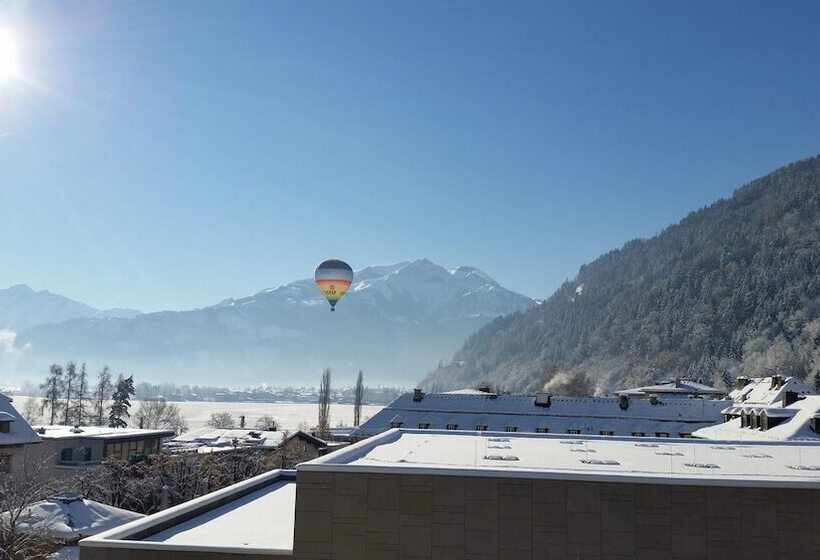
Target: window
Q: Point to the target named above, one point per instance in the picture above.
(481, 428)
(511, 429)
(396, 424)
(574, 432)
(685, 435)
(452, 426)
(638, 434)
(65, 455)
(424, 425)
(606, 433)
(661, 434)
(86, 451)
(542, 430)
(5, 426)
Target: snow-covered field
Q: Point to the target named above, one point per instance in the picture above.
(289, 415)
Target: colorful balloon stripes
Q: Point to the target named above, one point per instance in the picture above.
(333, 277)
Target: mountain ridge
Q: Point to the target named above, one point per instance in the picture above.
(396, 322)
(732, 288)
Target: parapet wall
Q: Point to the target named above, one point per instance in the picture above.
(356, 516)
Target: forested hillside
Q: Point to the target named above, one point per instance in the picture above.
(732, 289)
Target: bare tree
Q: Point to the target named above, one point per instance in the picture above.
(266, 423)
(323, 427)
(221, 420)
(79, 412)
(33, 410)
(102, 392)
(53, 391)
(18, 492)
(70, 389)
(358, 395)
(159, 414)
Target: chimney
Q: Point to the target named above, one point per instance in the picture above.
(485, 389)
(242, 421)
(417, 395)
(623, 402)
(142, 422)
(543, 399)
(741, 382)
(654, 399)
(790, 397)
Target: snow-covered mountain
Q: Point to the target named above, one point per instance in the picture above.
(23, 308)
(396, 323)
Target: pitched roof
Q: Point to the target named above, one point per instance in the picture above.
(19, 431)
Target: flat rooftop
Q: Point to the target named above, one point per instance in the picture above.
(237, 523)
(97, 432)
(255, 516)
(602, 458)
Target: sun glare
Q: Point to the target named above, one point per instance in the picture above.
(8, 55)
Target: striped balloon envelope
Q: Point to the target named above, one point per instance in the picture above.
(333, 278)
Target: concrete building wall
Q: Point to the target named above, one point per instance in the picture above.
(353, 516)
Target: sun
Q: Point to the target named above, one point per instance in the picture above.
(8, 55)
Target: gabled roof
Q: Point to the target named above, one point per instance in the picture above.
(20, 432)
(768, 390)
(795, 426)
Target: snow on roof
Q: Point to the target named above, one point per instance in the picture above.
(255, 516)
(649, 460)
(589, 414)
(208, 440)
(97, 432)
(73, 517)
(19, 430)
(797, 427)
(674, 386)
(767, 390)
(237, 523)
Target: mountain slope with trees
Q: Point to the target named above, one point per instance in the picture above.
(731, 289)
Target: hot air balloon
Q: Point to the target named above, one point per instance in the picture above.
(333, 278)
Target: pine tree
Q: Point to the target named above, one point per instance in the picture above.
(53, 391)
(102, 392)
(121, 402)
(357, 402)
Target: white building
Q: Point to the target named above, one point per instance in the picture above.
(16, 437)
(678, 412)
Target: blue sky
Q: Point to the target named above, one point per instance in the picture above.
(167, 155)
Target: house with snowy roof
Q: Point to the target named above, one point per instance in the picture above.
(299, 445)
(796, 417)
(67, 449)
(682, 409)
(16, 437)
